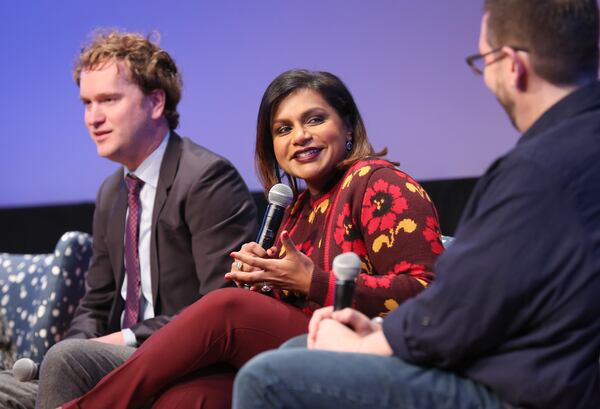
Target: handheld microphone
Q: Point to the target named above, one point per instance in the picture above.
(280, 197)
(25, 370)
(346, 267)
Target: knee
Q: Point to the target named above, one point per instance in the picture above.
(62, 356)
(246, 386)
(261, 380)
(226, 300)
(65, 349)
(251, 380)
(297, 342)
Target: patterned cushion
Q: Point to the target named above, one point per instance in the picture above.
(39, 293)
(7, 349)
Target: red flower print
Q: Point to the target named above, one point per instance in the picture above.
(306, 247)
(414, 270)
(346, 234)
(378, 281)
(381, 206)
(432, 235)
(404, 266)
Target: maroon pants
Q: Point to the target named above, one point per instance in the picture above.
(191, 362)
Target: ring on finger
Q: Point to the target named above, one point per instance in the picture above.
(239, 265)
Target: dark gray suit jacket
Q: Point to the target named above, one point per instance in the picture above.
(202, 212)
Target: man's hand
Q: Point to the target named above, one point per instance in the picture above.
(346, 331)
(333, 336)
(359, 322)
(116, 338)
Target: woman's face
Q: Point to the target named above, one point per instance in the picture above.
(309, 138)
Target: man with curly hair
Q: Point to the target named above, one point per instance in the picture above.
(165, 221)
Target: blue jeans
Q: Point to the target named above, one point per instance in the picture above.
(300, 378)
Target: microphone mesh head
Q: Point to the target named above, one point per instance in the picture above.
(281, 195)
(346, 266)
(24, 369)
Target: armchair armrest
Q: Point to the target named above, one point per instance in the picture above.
(39, 293)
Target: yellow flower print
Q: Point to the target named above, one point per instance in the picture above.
(391, 305)
(360, 172)
(408, 225)
(321, 207)
(363, 171)
(347, 181)
(417, 189)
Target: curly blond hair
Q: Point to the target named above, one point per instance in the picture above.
(150, 67)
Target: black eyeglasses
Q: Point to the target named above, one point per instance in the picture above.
(477, 62)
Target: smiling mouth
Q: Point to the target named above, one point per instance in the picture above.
(307, 154)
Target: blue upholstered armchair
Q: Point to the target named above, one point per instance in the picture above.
(38, 296)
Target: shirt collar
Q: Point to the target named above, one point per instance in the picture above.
(149, 169)
(582, 99)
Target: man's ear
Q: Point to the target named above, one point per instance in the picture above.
(519, 67)
(157, 99)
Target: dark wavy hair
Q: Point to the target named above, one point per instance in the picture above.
(150, 67)
(333, 90)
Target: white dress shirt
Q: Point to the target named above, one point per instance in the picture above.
(148, 172)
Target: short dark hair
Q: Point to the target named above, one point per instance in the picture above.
(560, 35)
(150, 67)
(333, 90)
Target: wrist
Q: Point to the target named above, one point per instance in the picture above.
(375, 344)
(308, 280)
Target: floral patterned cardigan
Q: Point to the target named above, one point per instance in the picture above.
(381, 214)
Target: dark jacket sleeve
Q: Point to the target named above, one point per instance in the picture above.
(91, 317)
(493, 281)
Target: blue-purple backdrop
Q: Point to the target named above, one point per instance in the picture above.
(403, 61)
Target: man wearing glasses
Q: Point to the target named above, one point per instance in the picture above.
(513, 319)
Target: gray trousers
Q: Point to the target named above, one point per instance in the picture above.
(74, 366)
(15, 394)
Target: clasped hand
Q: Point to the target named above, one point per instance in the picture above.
(292, 272)
(346, 331)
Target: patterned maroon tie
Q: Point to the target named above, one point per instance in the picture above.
(132, 259)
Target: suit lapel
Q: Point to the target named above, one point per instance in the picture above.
(116, 233)
(168, 170)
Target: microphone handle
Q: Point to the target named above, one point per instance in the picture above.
(344, 291)
(270, 226)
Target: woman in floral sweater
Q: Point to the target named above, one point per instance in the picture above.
(309, 131)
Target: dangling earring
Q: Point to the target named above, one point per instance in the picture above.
(349, 145)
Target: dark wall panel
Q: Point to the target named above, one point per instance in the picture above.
(37, 229)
